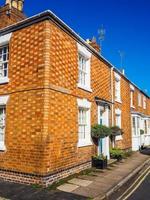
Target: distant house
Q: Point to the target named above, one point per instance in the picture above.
(53, 87)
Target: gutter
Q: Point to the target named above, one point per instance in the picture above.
(112, 96)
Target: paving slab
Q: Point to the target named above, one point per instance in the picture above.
(67, 187)
(80, 182)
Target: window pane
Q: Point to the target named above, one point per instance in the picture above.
(82, 70)
(4, 61)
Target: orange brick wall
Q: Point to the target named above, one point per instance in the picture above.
(25, 110)
(126, 109)
(63, 94)
(125, 143)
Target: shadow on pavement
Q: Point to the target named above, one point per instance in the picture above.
(15, 191)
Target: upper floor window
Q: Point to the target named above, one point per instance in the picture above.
(117, 88)
(144, 102)
(139, 99)
(4, 58)
(84, 68)
(132, 96)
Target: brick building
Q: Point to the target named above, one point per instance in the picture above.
(53, 87)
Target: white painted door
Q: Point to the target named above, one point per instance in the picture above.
(103, 119)
(136, 140)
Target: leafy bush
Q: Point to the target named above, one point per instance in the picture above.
(141, 131)
(100, 157)
(116, 131)
(119, 154)
(100, 131)
(116, 153)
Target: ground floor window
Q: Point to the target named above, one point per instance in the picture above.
(2, 123)
(3, 102)
(134, 125)
(84, 123)
(118, 122)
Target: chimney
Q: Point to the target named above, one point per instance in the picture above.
(18, 4)
(11, 13)
(94, 44)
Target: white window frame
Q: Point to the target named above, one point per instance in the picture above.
(83, 52)
(4, 41)
(144, 102)
(86, 106)
(118, 114)
(139, 99)
(118, 88)
(3, 103)
(132, 96)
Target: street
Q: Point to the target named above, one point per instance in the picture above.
(143, 192)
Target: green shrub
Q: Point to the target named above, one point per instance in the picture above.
(116, 131)
(117, 153)
(100, 131)
(100, 157)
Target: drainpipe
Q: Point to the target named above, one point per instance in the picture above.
(112, 100)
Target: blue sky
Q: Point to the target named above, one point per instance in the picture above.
(127, 24)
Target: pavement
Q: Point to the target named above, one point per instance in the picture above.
(94, 185)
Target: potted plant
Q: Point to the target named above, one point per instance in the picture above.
(100, 131)
(116, 153)
(99, 161)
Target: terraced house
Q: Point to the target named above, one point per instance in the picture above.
(53, 86)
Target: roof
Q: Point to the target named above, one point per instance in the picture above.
(49, 15)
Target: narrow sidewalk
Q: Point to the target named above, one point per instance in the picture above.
(96, 184)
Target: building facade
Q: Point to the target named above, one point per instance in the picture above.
(53, 87)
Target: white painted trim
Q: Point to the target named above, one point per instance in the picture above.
(84, 88)
(84, 103)
(4, 80)
(118, 101)
(3, 102)
(132, 87)
(5, 39)
(117, 76)
(83, 51)
(117, 111)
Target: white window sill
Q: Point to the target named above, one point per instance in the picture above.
(4, 80)
(84, 143)
(84, 88)
(118, 100)
(2, 147)
(119, 137)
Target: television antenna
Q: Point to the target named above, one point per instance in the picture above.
(101, 35)
(122, 55)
